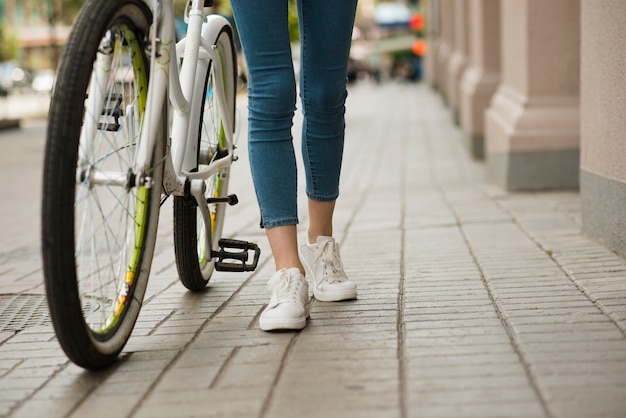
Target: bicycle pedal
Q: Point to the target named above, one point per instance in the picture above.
(238, 260)
(113, 112)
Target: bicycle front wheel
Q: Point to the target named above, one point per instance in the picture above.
(193, 259)
(98, 226)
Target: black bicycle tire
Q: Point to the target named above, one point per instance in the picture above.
(185, 215)
(79, 342)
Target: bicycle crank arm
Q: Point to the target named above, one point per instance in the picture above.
(239, 259)
(230, 199)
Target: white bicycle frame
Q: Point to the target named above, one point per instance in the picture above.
(197, 50)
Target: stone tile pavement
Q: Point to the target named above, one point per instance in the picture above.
(473, 302)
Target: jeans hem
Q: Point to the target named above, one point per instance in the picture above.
(320, 198)
(279, 222)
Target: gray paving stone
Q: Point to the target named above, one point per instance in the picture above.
(513, 387)
(107, 405)
(541, 356)
(569, 337)
(47, 407)
(479, 395)
(477, 408)
(353, 401)
(202, 403)
(180, 379)
(316, 322)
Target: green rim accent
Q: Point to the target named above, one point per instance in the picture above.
(143, 193)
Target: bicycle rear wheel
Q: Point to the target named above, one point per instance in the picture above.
(98, 227)
(193, 259)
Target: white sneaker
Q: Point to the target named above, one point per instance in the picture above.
(322, 263)
(290, 302)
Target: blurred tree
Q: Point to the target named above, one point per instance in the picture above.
(69, 10)
(294, 31)
(8, 45)
(179, 7)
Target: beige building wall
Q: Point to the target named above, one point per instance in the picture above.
(558, 116)
(482, 75)
(532, 124)
(431, 8)
(458, 56)
(445, 44)
(603, 121)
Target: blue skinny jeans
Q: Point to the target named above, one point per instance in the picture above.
(325, 37)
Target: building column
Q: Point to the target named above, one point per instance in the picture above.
(482, 76)
(603, 124)
(10, 11)
(432, 38)
(532, 126)
(458, 57)
(444, 46)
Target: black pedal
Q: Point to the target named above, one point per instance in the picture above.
(238, 259)
(115, 112)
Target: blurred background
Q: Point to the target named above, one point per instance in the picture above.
(33, 32)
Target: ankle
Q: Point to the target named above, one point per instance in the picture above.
(288, 266)
(313, 236)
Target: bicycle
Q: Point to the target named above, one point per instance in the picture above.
(135, 117)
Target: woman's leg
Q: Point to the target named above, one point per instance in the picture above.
(320, 219)
(284, 244)
(264, 34)
(326, 36)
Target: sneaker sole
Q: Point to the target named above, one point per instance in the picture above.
(334, 297)
(285, 324)
(282, 324)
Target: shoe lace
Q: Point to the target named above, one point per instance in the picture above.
(331, 260)
(285, 287)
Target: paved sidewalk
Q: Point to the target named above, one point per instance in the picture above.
(473, 302)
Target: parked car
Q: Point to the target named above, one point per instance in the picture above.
(14, 77)
(43, 81)
(392, 15)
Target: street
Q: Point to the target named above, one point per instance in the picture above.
(21, 158)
